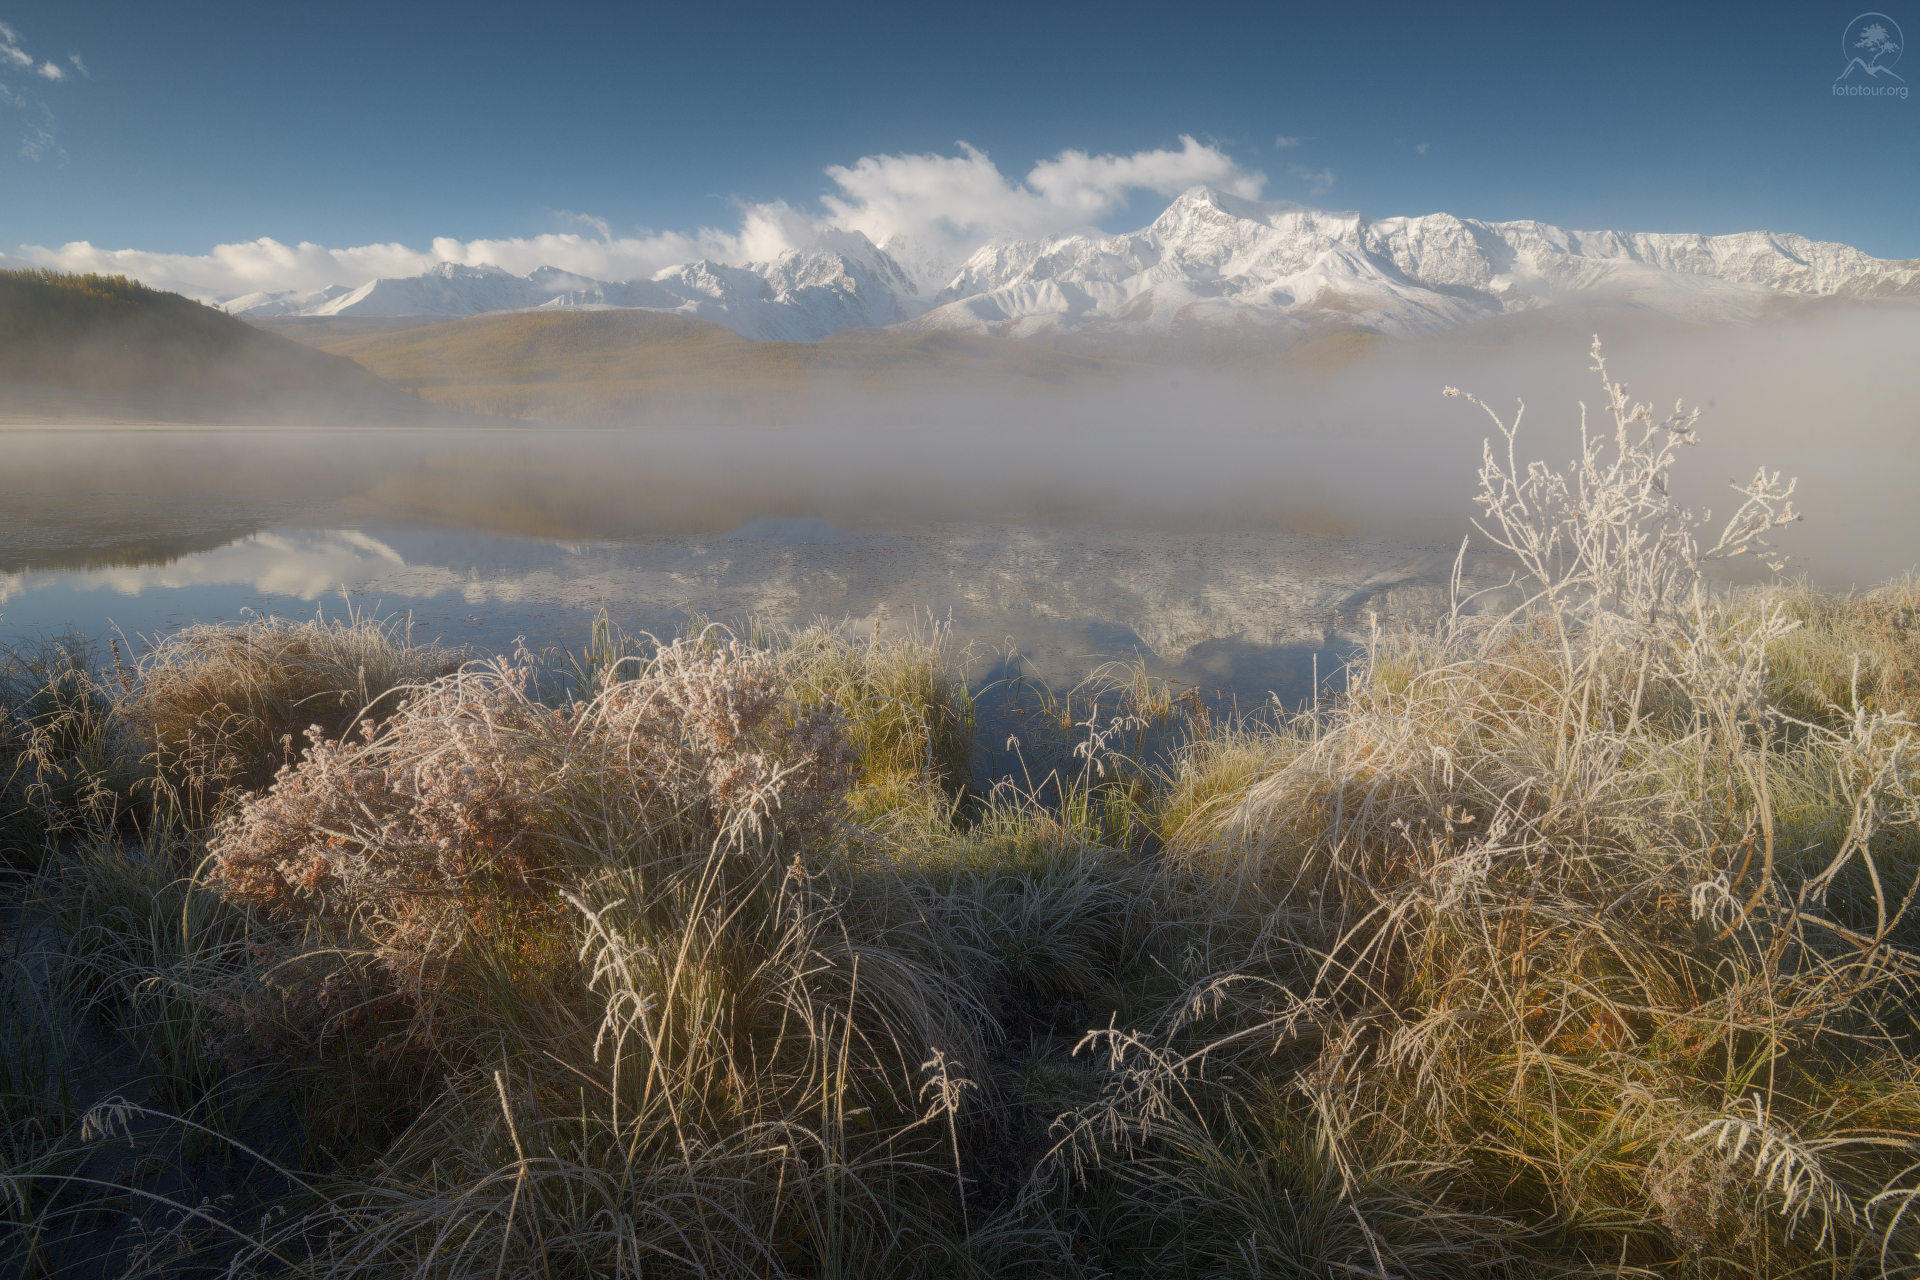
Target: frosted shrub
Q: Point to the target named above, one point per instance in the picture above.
(660, 1040)
(1609, 540)
(475, 798)
(714, 734)
(1507, 931)
(405, 832)
(216, 709)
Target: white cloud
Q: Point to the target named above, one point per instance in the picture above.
(1422, 148)
(948, 206)
(79, 66)
(1319, 182)
(1098, 185)
(38, 139)
(588, 220)
(1286, 142)
(944, 206)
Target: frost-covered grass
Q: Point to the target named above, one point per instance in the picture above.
(1575, 937)
(219, 709)
(63, 754)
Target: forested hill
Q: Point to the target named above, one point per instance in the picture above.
(79, 346)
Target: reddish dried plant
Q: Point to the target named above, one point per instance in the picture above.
(468, 808)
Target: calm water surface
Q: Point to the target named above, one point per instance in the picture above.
(481, 542)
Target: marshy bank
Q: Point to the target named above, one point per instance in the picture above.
(1571, 938)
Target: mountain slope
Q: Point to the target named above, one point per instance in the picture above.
(840, 281)
(636, 365)
(74, 347)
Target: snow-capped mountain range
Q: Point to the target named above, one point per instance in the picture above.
(1210, 260)
(840, 281)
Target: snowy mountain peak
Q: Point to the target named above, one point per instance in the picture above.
(1210, 259)
(857, 254)
(841, 280)
(1216, 259)
(1207, 204)
(460, 271)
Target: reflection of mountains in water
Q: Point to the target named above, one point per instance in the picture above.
(119, 541)
(1173, 591)
(138, 554)
(1189, 599)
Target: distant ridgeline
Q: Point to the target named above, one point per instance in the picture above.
(76, 347)
(635, 366)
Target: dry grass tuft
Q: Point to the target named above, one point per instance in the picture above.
(1521, 939)
(63, 750)
(217, 710)
(909, 717)
(1861, 649)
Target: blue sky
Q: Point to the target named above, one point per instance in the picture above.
(359, 124)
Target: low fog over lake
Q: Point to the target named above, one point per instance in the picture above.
(1209, 522)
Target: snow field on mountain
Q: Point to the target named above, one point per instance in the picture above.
(1211, 260)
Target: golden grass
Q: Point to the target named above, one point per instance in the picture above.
(63, 751)
(1404, 992)
(1864, 647)
(597, 366)
(217, 710)
(1559, 942)
(911, 719)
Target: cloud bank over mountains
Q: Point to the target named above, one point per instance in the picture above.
(947, 207)
(931, 211)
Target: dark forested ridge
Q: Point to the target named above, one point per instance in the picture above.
(78, 346)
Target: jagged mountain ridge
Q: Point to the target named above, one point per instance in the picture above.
(1215, 259)
(841, 281)
(1210, 260)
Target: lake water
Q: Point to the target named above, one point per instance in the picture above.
(1225, 533)
(485, 540)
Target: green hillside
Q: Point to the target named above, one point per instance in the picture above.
(75, 346)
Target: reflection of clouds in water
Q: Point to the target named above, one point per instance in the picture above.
(308, 564)
(1173, 591)
(295, 563)
(1063, 592)
(365, 543)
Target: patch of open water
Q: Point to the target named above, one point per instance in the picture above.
(214, 528)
